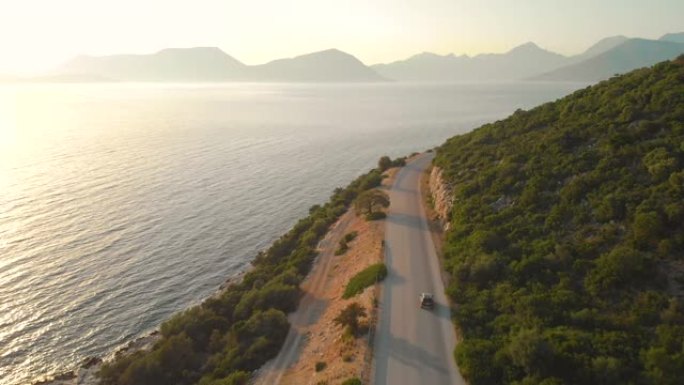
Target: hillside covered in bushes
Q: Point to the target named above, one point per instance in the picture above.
(566, 247)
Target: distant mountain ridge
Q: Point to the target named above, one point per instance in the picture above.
(673, 37)
(212, 64)
(616, 54)
(173, 64)
(520, 62)
(630, 55)
(325, 66)
(609, 56)
(600, 47)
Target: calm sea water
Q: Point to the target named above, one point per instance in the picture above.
(123, 204)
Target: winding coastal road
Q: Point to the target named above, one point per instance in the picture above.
(412, 346)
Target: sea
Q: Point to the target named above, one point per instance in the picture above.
(122, 204)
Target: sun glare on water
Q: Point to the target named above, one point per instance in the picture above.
(26, 121)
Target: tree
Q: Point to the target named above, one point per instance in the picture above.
(475, 361)
(384, 163)
(660, 163)
(529, 350)
(349, 317)
(663, 367)
(621, 266)
(371, 201)
(647, 227)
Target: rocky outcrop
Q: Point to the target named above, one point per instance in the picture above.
(442, 197)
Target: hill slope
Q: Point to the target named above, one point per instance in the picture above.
(521, 62)
(566, 246)
(673, 37)
(630, 55)
(600, 47)
(426, 66)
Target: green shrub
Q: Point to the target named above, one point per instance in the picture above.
(342, 248)
(352, 381)
(235, 378)
(349, 319)
(375, 216)
(320, 366)
(344, 242)
(365, 278)
(385, 163)
(399, 162)
(350, 236)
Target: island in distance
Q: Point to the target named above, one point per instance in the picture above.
(609, 56)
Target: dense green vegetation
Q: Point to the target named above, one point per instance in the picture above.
(365, 278)
(567, 221)
(220, 341)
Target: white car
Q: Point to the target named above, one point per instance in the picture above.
(427, 301)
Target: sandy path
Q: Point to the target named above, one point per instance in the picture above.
(313, 336)
(310, 308)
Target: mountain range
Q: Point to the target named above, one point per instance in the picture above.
(521, 62)
(632, 54)
(210, 64)
(607, 57)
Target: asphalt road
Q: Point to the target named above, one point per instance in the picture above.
(412, 346)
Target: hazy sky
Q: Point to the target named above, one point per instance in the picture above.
(39, 34)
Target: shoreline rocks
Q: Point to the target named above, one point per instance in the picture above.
(86, 373)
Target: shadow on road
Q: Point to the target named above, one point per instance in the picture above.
(443, 311)
(412, 221)
(393, 278)
(407, 354)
